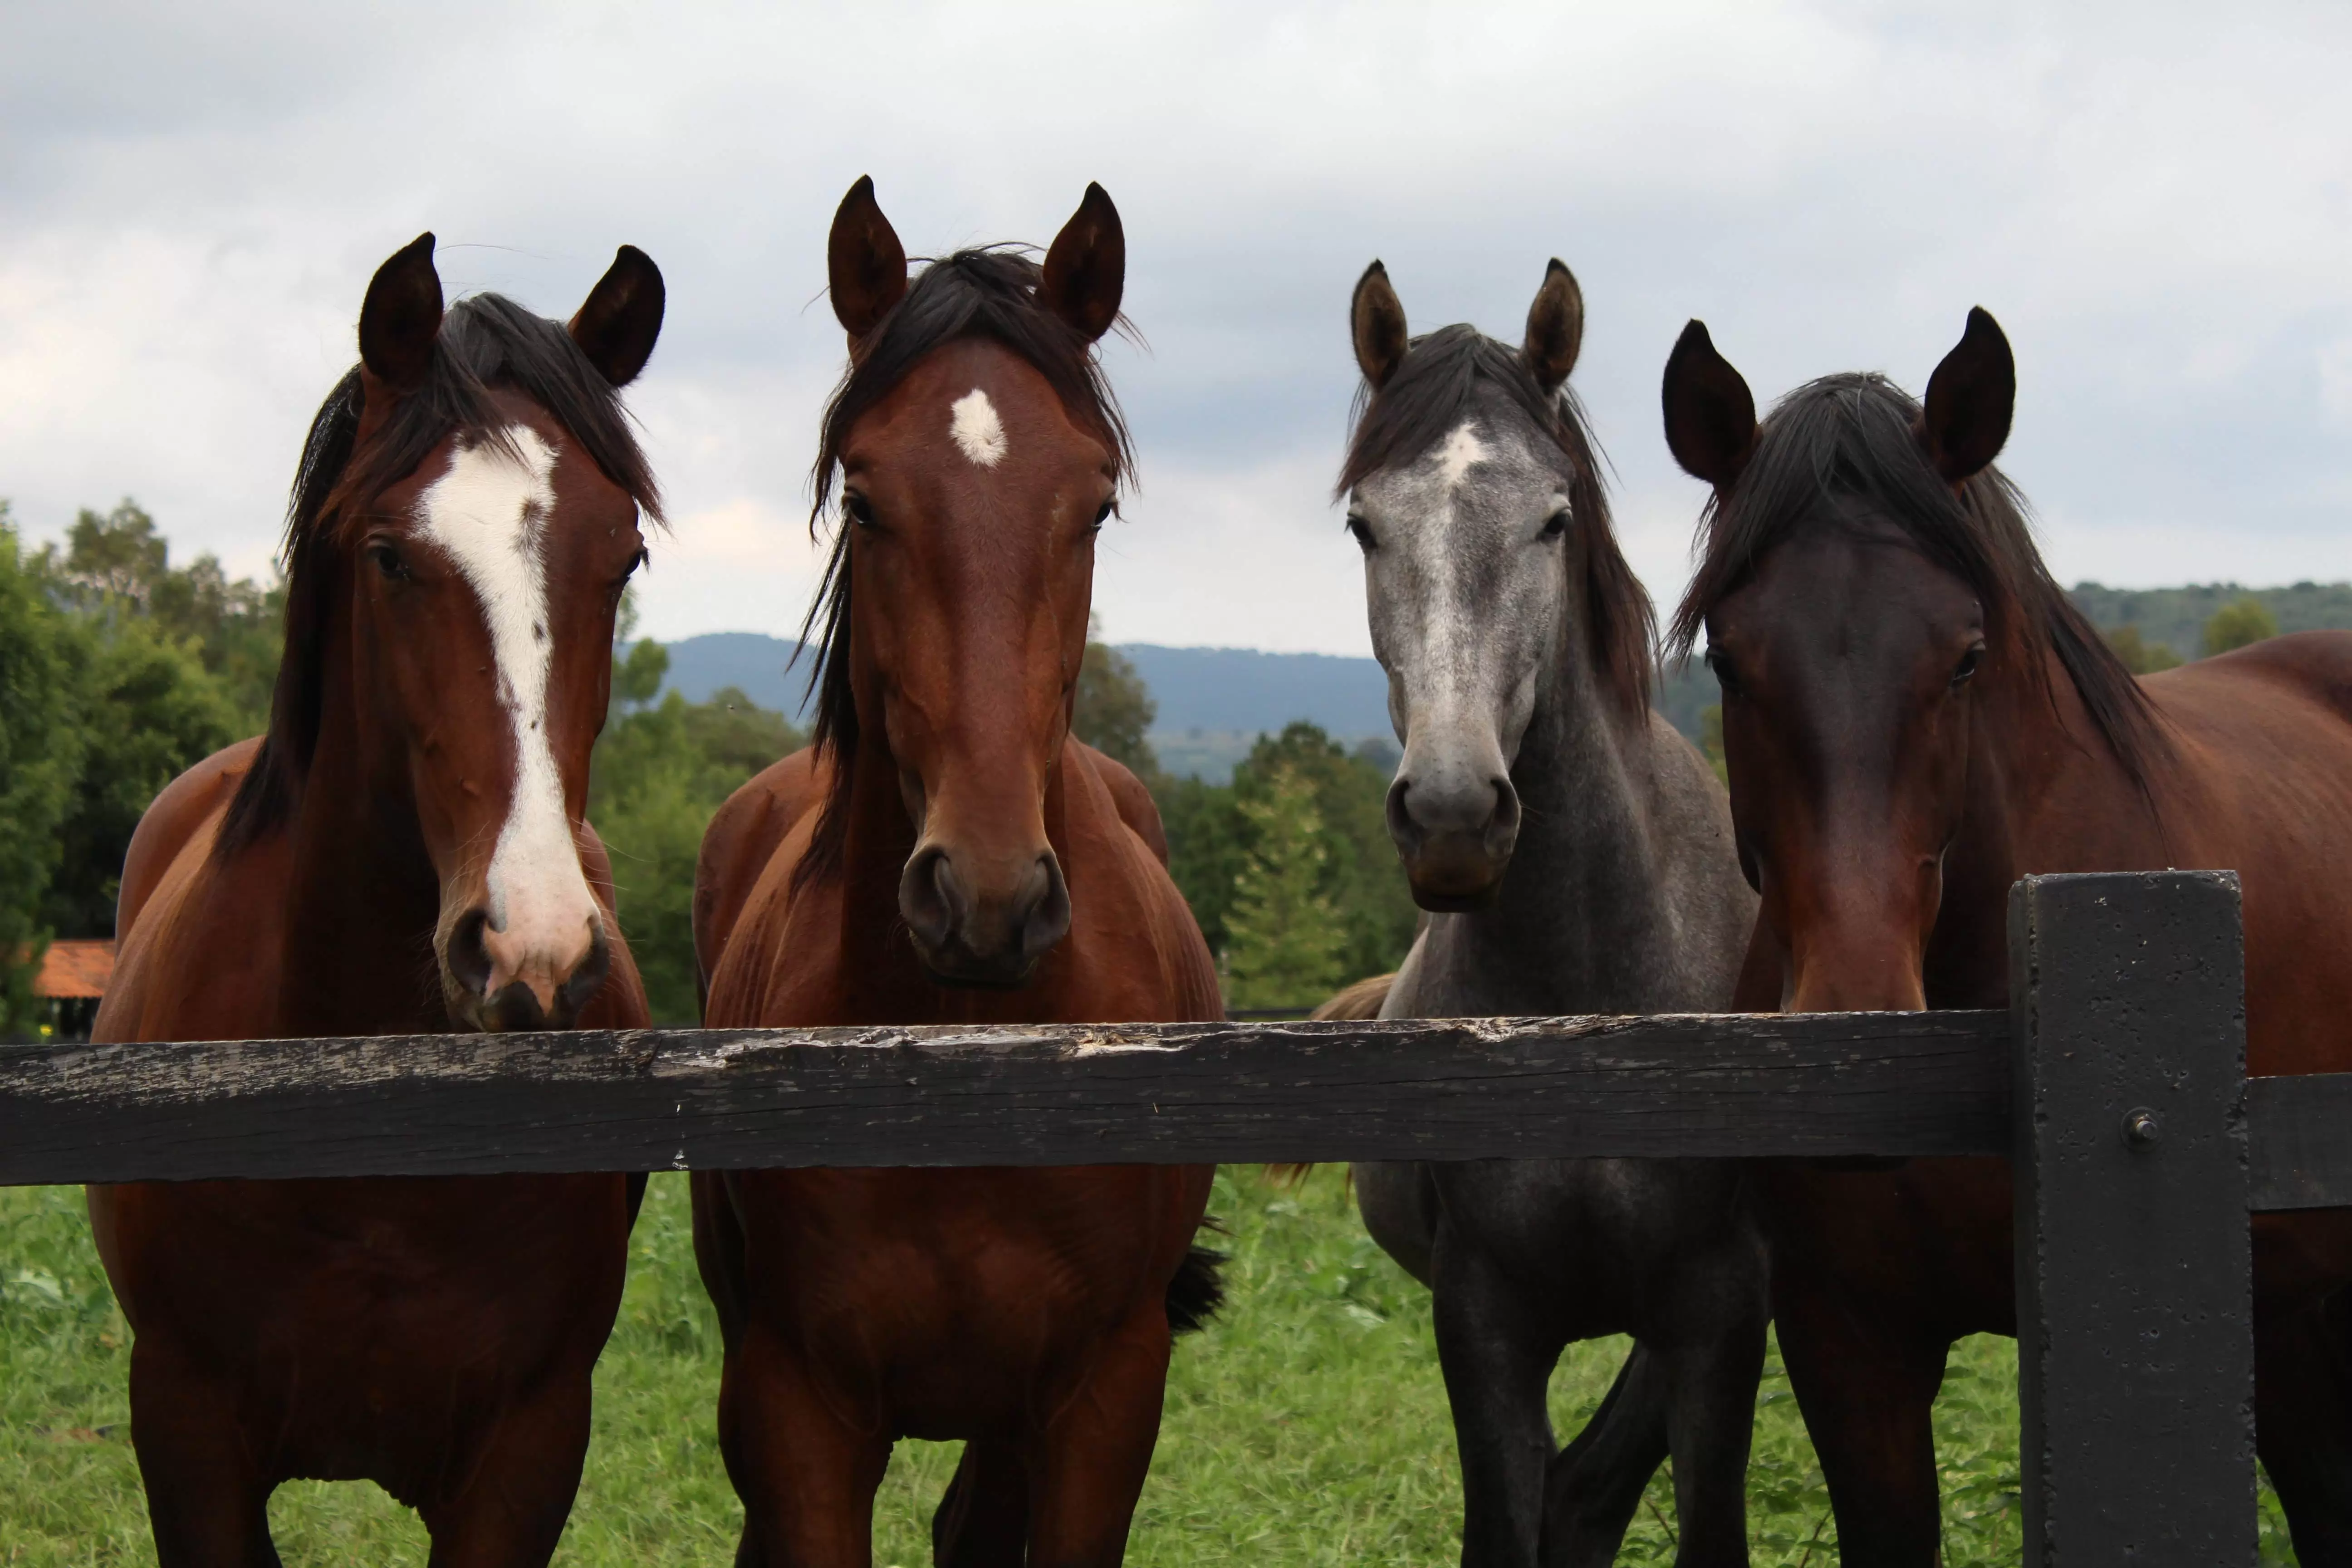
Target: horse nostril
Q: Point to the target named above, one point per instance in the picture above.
(1402, 826)
(930, 897)
(1047, 919)
(1505, 823)
(469, 956)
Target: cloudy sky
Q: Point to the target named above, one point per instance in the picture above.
(2155, 200)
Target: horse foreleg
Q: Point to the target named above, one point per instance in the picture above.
(1497, 1358)
(982, 1520)
(1093, 1453)
(2302, 1424)
(207, 1504)
(806, 1478)
(1712, 1419)
(1593, 1487)
(1868, 1400)
(516, 1500)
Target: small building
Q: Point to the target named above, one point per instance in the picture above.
(72, 979)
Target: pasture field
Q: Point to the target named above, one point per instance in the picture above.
(1306, 1428)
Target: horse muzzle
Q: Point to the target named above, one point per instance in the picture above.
(498, 980)
(971, 929)
(1455, 838)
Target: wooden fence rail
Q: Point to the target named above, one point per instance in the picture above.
(2114, 1083)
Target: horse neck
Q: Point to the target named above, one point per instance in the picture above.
(2045, 793)
(1581, 922)
(363, 898)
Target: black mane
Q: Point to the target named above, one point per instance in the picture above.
(1852, 441)
(484, 341)
(1440, 383)
(991, 292)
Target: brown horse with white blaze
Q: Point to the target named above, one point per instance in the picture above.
(948, 852)
(1915, 716)
(402, 853)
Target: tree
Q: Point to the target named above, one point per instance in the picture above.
(173, 665)
(118, 567)
(2241, 625)
(1285, 937)
(2138, 654)
(660, 770)
(1114, 710)
(148, 712)
(40, 757)
(1209, 839)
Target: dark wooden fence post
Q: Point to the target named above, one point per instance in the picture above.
(2134, 1296)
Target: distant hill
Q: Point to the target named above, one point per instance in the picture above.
(1214, 702)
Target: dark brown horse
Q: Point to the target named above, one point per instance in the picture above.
(1915, 716)
(948, 853)
(402, 853)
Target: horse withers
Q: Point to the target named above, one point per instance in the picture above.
(1915, 716)
(1575, 855)
(402, 853)
(947, 852)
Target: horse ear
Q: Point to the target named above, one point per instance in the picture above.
(1376, 321)
(400, 317)
(623, 317)
(1971, 400)
(1710, 413)
(864, 261)
(1086, 270)
(1555, 328)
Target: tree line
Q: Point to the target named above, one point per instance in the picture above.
(118, 669)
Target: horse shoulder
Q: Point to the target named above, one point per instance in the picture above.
(1134, 801)
(1113, 828)
(744, 836)
(174, 818)
(200, 958)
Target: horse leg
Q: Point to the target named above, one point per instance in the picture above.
(2302, 1425)
(982, 1519)
(1497, 1360)
(806, 1478)
(1593, 1487)
(1097, 1448)
(512, 1511)
(1868, 1400)
(207, 1504)
(1712, 1419)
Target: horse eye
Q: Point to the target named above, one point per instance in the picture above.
(384, 556)
(1363, 531)
(1967, 667)
(1556, 524)
(1725, 676)
(860, 509)
(1102, 514)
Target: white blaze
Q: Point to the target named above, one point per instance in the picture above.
(486, 514)
(976, 428)
(1462, 450)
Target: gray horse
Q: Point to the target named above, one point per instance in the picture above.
(1577, 856)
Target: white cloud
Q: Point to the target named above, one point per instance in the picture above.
(2150, 197)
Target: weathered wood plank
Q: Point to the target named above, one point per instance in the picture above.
(2301, 1130)
(1826, 1084)
(2135, 1274)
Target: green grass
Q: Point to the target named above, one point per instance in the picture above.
(1306, 1427)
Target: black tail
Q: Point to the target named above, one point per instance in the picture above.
(1197, 1291)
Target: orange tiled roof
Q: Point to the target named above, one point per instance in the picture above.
(75, 969)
